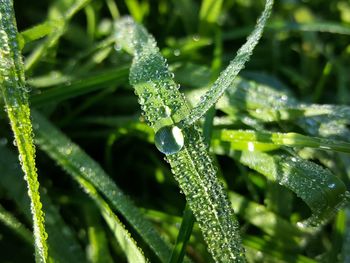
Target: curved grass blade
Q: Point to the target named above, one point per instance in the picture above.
(64, 247)
(78, 164)
(163, 105)
(11, 221)
(265, 141)
(229, 74)
(16, 101)
(323, 192)
(35, 32)
(60, 19)
(133, 253)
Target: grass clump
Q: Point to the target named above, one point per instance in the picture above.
(262, 143)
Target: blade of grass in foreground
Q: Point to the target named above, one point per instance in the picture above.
(16, 101)
(79, 165)
(163, 106)
(64, 247)
(229, 74)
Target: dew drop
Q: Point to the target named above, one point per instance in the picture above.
(196, 38)
(177, 52)
(169, 139)
(117, 47)
(3, 141)
(331, 185)
(251, 147)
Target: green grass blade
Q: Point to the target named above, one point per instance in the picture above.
(268, 249)
(191, 165)
(16, 101)
(272, 224)
(265, 103)
(269, 104)
(64, 247)
(133, 253)
(229, 74)
(345, 255)
(11, 221)
(209, 13)
(78, 164)
(98, 249)
(183, 236)
(323, 192)
(254, 140)
(61, 19)
(35, 32)
(136, 9)
(324, 26)
(80, 87)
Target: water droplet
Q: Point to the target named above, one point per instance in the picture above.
(177, 52)
(169, 139)
(251, 147)
(164, 111)
(195, 37)
(117, 47)
(3, 141)
(331, 185)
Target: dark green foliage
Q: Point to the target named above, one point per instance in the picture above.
(279, 136)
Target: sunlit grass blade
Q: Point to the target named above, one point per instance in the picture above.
(61, 239)
(229, 74)
(15, 96)
(78, 164)
(323, 192)
(11, 221)
(133, 253)
(136, 9)
(209, 13)
(264, 141)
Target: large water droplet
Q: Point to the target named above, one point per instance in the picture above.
(169, 139)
